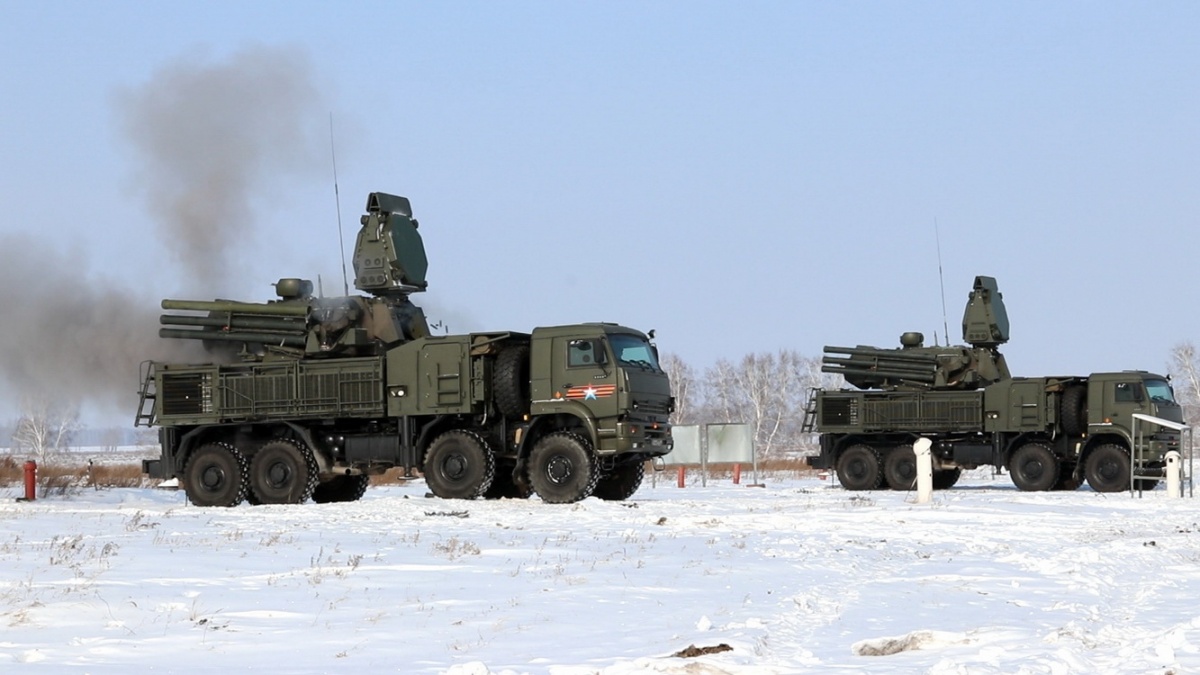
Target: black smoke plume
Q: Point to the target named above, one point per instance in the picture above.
(208, 139)
(212, 138)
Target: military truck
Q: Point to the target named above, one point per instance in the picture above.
(1050, 433)
(309, 396)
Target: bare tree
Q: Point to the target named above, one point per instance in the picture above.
(1186, 366)
(766, 391)
(111, 439)
(46, 427)
(684, 387)
(764, 380)
(724, 401)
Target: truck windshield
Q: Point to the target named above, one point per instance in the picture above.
(1160, 391)
(633, 350)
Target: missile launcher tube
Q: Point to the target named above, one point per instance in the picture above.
(236, 322)
(264, 338)
(268, 309)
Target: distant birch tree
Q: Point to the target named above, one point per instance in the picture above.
(723, 400)
(684, 387)
(1185, 364)
(766, 382)
(46, 427)
(769, 391)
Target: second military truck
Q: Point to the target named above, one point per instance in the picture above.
(1050, 433)
(314, 395)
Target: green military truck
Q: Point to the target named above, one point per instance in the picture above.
(1050, 433)
(309, 396)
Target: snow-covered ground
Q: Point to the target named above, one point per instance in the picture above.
(797, 576)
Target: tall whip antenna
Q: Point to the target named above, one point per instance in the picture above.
(942, 282)
(337, 198)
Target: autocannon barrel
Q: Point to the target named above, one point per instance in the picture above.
(236, 322)
(264, 338)
(268, 309)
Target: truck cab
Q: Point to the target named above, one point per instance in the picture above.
(1114, 398)
(1113, 453)
(607, 377)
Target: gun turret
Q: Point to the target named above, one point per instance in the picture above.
(389, 262)
(915, 367)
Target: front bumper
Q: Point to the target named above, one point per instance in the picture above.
(652, 439)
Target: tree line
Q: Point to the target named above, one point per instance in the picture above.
(769, 391)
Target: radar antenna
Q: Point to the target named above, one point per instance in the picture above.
(337, 199)
(941, 282)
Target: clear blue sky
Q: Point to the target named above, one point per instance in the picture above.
(741, 177)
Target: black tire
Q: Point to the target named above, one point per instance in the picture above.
(504, 487)
(459, 465)
(1034, 468)
(858, 468)
(620, 483)
(1067, 480)
(900, 468)
(1073, 411)
(216, 475)
(1146, 484)
(510, 380)
(944, 479)
(341, 489)
(283, 472)
(1107, 468)
(561, 468)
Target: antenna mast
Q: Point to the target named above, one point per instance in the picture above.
(941, 281)
(337, 198)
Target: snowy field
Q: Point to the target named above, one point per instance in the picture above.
(797, 576)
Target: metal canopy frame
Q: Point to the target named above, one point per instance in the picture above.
(1140, 443)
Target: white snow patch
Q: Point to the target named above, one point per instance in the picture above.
(797, 577)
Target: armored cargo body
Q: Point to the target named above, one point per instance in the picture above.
(1050, 433)
(310, 396)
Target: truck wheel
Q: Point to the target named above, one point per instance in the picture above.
(341, 489)
(1033, 468)
(944, 479)
(216, 475)
(620, 483)
(1073, 411)
(283, 472)
(900, 468)
(510, 380)
(504, 487)
(561, 468)
(1107, 468)
(1067, 480)
(459, 465)
(858, 468)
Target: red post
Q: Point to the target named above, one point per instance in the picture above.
(681, 472)
(30, 480)
(737, 474)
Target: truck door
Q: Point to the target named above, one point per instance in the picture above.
(1123, 398)
(588, 374)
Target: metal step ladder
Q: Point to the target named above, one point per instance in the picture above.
(810, 412)
(147, 394)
